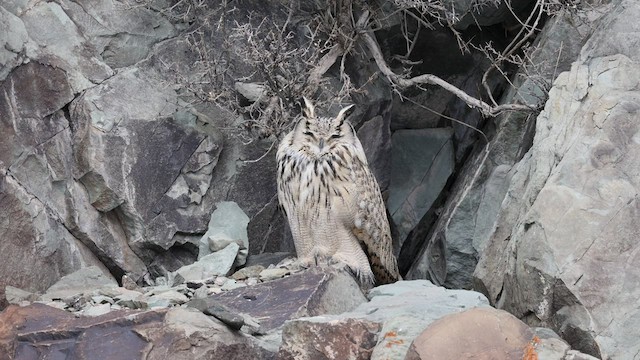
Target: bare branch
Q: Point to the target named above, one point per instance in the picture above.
(325, 63)
(402, 82)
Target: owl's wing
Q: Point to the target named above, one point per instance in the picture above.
(371, 225)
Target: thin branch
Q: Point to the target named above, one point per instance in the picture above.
(402, 82)
(263, 155)
(325, 63)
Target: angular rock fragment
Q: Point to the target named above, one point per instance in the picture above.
(336, 340)
(218, 263)
(309, 293)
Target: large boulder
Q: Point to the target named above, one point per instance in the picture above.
(467, 217)
(486, 333)
(563, 252)
(35, 174)
(384, 327)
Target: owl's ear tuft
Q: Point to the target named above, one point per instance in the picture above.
(346, 111)
(308, 109)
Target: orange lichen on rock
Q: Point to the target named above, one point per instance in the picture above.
(530, 352)
(392, 342)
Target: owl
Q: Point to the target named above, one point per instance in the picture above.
(331, 199)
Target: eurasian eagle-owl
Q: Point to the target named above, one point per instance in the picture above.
(331, 199)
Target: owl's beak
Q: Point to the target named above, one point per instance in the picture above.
(321, 144)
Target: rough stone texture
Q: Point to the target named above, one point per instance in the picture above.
(402, 310)
(421, 163)
(219, 263)
(375, 136)
(485, 332)
(228, 224)
(78, 282)
(468, 216)
(565, 240)
(110, 172)
(156, 184)
(36, 249)
(266, 259)
(42, 332)
(313, 292)
(119, 40)
(549, 346)
(15, 296)
(339, 339)
(57, 41)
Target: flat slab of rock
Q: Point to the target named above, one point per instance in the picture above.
(217, 263)
(85, 279)
(313, 292)
(39, 332)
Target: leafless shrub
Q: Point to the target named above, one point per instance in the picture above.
(285, 63)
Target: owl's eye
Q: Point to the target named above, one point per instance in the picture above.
(335, 136)
(309, 133)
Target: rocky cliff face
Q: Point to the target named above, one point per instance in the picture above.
(110, 160)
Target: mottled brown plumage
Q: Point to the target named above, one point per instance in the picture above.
(331, 199)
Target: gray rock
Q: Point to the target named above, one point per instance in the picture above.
(201, 293)
(246, 272)
(14, 41)
(218, 263)
(180, 334)
(375, 136)
(101, 299)
(96, 310)
(233, 320)
(549, 346)
(128, 283)
(169, 297)
(220, 280)
(500, 12)
(421, 163)
(120, 40)
(138, 302)
(82, 281)
(61, 43)
(469, 215)
(16, 296)
(266, 259)
(309, 339)
(125, 298)
(228, 224)
(577, 355)
(213, 338)
(116, 292)
(314, 292)
(251, 91)
(167, 166)
(401, 311)
(232, 284)
(34, 150)
(272, 274)
(567, 227)
(56, 304)
(238, 180)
